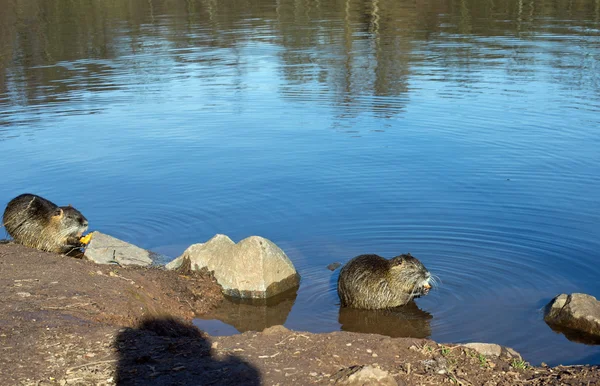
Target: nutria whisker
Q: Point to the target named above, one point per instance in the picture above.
(434, 280)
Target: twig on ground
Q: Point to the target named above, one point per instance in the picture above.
(70, 370)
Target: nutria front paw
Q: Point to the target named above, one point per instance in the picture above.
(74, 242)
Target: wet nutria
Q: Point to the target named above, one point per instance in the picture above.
(372, 282)
(38, 223)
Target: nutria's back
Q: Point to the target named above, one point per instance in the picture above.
(33, 221)
(373, 282)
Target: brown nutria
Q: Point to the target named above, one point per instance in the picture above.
(38, 223)
(373, 282)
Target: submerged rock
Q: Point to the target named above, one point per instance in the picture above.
(253, 268)
(334, 266)
(576, 312)
(105, 249)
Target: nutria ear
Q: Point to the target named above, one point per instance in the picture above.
(397, 261)
(70, 206)
(58, 213)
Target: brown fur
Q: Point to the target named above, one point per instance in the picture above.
(373, 282)
(35, 222)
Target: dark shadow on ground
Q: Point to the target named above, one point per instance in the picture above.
(167, 351)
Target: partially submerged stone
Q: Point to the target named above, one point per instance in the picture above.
(253, 268)
(576, 312)
(334, 266)
(105, 249)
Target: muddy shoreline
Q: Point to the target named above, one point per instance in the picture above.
(69, 321)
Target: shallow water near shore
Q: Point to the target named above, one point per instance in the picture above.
(464, 132)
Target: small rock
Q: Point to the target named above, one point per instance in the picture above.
(512, 353)
(364, 375)
(487, 349)
(577, 312)
(491, 349)
(24, 294)
(105, 249)
(369, 350)
(313, 374)
(333, 266)
(275, 330)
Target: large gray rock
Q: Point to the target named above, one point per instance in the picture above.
(105, 249)
(578, 312)
(253, 268)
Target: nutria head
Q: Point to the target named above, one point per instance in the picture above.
(72, 222)
(409, 275)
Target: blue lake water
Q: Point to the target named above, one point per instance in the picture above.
(464, 132)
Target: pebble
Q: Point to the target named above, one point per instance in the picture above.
(348, 344)
(313, 374)
(24, 294)
(369, 350)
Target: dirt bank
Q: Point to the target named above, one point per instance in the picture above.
(68, 321)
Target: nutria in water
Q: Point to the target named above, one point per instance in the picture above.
(35, 222)
(373, 282)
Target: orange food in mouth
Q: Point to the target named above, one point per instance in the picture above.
(86, 239)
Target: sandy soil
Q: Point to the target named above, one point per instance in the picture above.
(65, 321)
